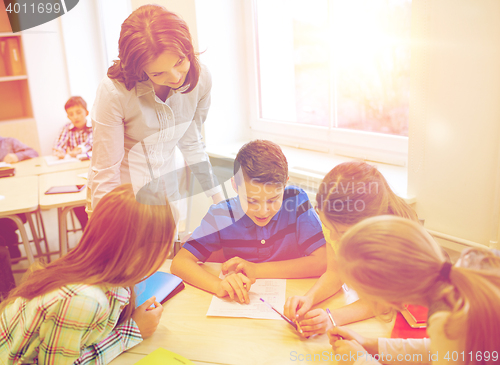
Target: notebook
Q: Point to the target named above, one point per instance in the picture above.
(415, 315)
(161, 356)
(161, 284)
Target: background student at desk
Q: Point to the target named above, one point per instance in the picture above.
(75, 138)
(267, 231)
(12, 151)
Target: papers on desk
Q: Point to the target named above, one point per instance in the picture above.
(5, 164)
(272, 291)
(54, 160)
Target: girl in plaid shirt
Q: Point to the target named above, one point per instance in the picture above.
(80, 308)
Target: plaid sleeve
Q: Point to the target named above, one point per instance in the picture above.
(90, 140)
(82, 326)
(122, 338)
(62, 141)
(309, 230)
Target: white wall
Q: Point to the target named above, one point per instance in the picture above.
(48, 79)
(85, 53)
(455, 115)
(64, 57)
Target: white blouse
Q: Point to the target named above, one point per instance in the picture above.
(135, 134)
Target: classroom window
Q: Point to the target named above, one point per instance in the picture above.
(333, 64)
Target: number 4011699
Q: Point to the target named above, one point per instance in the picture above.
(478, 356)
(40, 8)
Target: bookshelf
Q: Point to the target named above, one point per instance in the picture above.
(16, 113)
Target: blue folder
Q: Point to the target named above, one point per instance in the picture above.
(162, 285)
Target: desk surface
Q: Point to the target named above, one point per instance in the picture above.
(185, 329)
(38, 166)
(58, 179)
(20, 195)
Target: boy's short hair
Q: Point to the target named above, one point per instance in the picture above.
(75, 101)
(261, 161)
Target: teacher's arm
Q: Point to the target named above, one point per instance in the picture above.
(108, 145)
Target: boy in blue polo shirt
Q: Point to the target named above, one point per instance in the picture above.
(267, 231)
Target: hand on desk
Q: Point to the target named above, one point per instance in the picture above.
(237, 286)
(10, 158)
(240, 265)
(60, 154)
(345, 341)
(75, 152)
(147, 319)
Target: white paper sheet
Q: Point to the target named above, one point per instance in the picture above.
(54, 160)
(5, 164)
(272, 291)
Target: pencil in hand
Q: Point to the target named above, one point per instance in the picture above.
(333, 322)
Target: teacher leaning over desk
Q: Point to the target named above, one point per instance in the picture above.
(156, 96)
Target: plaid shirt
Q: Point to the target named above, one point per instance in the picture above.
(75, 324)
(70, 138)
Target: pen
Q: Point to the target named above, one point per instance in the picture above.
(281, 315)
(298, 327)
(331, 319)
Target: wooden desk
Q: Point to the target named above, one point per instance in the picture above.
(186, 330)
(38, 166)
(21, 196)
(63, 202)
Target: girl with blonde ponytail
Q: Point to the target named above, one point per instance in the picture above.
(349, 193)
(393, 261)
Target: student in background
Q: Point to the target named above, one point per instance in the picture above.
(75, 137)
(12, 151)
(268, 231)
(80, 308)
(391, 261)
(349, 193)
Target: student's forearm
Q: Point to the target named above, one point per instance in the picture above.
(304, 267)
(195, 275)
(327, 285)
(354, 312)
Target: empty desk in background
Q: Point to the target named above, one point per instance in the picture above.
(20, 196)
(63, 202)
(185, 329)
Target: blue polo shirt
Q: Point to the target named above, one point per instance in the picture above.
(295, 231)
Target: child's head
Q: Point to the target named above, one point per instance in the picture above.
(260, 177)
(149, 37)
(76, 109)
(389, 258)
(353, 191)
(392, 260)
(124, 241)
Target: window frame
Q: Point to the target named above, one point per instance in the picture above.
(386, 148)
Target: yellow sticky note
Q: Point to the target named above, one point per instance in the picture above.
(161, 356)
